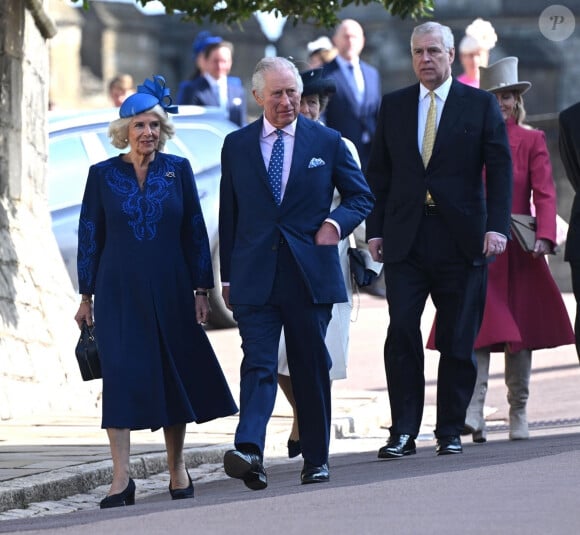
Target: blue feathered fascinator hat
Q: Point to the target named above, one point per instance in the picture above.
(148, 95)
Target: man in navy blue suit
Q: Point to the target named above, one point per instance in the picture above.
(280, 265)
(214, 86)
(354, 108)
(434, 225)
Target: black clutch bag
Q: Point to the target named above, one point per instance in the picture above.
(359, 260)
(87, 353)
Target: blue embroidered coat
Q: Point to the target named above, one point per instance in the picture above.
(142, 253)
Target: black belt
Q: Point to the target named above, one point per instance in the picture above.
(282, 240)
(430, 209)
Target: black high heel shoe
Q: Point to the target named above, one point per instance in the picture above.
(127, 497)
(294, 448)
(181, 494)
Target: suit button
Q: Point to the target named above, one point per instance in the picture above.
(274, 247)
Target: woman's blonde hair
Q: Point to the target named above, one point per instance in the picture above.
(119, 129)
(519, 112)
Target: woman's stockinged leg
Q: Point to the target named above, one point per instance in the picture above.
(120, 444)
(286, 387)
(174, 440)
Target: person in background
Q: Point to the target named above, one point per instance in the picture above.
(320, 52)
(215, 87)
(315, 95)
(435, 227)
(524, 309)
(143, 253)
(479, 39)
(279, 262)
(569, 144)
(353, 109)
(201, 42)
(121, 87)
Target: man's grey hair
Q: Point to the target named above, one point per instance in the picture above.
(435, 27)
(273, 64)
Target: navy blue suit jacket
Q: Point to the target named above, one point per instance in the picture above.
(343, 112)
(199, 92)
(471, 134)
(251, 223)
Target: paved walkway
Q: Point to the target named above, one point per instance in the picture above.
(51, 457)
(48, 457)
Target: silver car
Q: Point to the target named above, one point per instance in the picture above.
(78, 140)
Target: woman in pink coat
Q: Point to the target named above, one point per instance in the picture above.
(524, 309)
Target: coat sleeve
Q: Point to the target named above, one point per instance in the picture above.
(194, 239)
(356, 197)
(378, 174)
(569, 151)
(227, 215)
(91, 234)
(543, 188)
(498, 169)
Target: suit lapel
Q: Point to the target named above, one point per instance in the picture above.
(408, 123)
(343, 82)
(254, 132)
(302, 143)
(452, 111)
(210, 97)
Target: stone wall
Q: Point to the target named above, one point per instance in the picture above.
(38, 371)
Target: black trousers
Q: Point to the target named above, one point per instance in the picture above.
(575, 269)
(436, 267)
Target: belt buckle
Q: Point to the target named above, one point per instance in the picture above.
(430, 209)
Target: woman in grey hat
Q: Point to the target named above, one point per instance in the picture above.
(524, 309)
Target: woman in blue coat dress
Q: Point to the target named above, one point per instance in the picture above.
(144, 254)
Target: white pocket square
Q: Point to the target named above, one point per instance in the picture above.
(316, 162)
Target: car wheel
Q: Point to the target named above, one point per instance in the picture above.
(220, 316)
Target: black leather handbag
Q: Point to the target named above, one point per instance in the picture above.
(87, 353)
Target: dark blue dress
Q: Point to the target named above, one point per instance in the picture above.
(142, 253)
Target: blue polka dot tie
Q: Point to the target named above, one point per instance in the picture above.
(275, 167)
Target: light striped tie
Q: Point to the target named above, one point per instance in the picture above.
(430, 130)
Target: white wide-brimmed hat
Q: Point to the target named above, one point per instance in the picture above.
(502, 76)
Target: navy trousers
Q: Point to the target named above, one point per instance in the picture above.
(290, 307)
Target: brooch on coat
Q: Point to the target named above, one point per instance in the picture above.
(170, 174)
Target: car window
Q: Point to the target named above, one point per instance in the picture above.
(68, 165)
(201, 146)
(106, 142)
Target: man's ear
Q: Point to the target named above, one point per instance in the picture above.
(258, 98)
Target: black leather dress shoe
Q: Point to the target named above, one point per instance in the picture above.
(449, 445)
(314, 474)
(398, 446)
(247, 467)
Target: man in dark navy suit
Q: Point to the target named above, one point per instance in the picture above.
(570, 153)
(280, 265)
(354, 108)
(434, 225)
(214, 86)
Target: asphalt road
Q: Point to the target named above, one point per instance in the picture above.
(500, 487)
